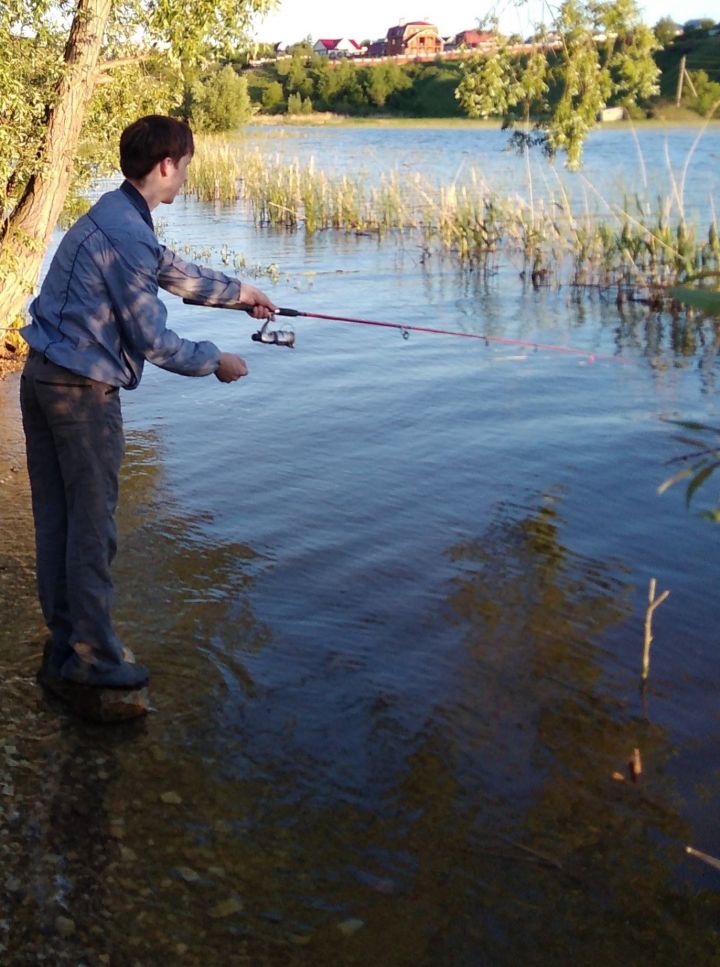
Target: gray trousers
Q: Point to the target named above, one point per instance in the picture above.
(75, 445)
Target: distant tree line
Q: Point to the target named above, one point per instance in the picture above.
(604, 55)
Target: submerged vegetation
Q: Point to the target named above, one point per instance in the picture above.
(629, 251)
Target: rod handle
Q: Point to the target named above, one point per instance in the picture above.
(241, 306)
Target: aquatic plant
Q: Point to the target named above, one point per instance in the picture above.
(637, 251)
(700, 462)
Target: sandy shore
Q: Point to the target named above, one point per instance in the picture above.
(10, 362)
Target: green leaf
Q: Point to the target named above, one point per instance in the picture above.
(676, 478)
(709, 302)
(700, 479)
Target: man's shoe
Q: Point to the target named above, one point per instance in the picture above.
(104, 674)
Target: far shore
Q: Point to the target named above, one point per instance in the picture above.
(675, 118)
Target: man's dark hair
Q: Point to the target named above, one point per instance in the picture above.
(150, 139)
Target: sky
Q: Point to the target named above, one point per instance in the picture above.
(295, 19)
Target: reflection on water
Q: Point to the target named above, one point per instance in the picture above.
(391, 594)
(491, 831)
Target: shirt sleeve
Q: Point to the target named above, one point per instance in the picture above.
(132, 281)
(195, 281)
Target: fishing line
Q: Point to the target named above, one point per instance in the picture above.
(287, 338)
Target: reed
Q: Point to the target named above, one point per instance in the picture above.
(638, 253)
(215, 172)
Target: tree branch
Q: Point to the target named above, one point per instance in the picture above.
(109, 65)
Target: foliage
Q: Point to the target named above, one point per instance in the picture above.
(383, 80)
(666, 30)
(132, 79)
(704, 458)
(706, 96)
(701, 461)
(28, 70)
(220, 101)
(702, 299)
(298, 105)
(349, 87)
(605, 55)
(273, 97)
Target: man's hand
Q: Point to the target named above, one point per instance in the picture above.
(230, 368)
(263, 308)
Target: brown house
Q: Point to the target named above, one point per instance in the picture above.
(472, 39)
(413, 39)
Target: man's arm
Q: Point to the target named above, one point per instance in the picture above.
(131, 282)
(198, 282)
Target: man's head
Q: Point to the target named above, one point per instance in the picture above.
(150, 140)
(155, 152)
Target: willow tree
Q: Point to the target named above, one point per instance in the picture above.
(71, 73)
(594, 54)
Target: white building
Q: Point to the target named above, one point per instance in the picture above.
(341, 47)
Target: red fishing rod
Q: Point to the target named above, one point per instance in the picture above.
(282, 337)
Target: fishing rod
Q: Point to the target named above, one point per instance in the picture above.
(286, 337)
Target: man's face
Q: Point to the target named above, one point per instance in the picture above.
(175, 177)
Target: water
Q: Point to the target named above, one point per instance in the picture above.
(621, 167)
(392, 595)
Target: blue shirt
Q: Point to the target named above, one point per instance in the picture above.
(98, 312)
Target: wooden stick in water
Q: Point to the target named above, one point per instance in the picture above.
(653, 603)
(705, 857)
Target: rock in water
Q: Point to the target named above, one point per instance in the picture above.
(96, 704)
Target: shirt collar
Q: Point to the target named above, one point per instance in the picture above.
(138, 201)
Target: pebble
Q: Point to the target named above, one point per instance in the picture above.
(64, 926)
(190, 876)
(171, 798)
(351, 926)
(226, 908)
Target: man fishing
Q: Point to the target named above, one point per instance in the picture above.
(95, 322)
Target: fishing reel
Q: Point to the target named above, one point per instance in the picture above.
(274, 337)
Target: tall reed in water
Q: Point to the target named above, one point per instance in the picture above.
(625, 246)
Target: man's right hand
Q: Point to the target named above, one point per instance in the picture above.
(262, 306)
(230, 368)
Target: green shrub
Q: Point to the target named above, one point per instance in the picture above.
(220, 101)
(273, 98)
(707, 93)
(294, 104)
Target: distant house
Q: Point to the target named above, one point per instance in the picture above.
(611, 114)
(340, 47)
(412, 39)
(377, 48)
(472, 39)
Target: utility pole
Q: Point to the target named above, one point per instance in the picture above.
(681, 75)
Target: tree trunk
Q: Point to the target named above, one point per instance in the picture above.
(26, 233)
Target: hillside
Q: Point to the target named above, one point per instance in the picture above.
(425, 90)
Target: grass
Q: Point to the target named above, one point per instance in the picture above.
(636, 254)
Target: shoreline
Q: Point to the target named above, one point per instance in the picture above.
(10, 362)
(328, 119)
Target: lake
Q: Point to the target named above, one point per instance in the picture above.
(621, 164)
(392, 594)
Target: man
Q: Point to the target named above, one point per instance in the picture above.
(95, 321)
